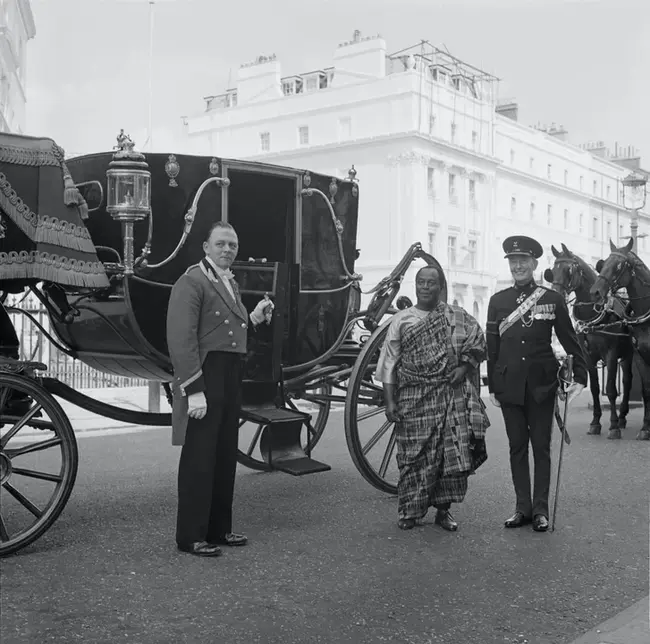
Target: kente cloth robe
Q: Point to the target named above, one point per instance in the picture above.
(441, 431)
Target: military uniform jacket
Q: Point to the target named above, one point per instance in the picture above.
(521, 354)
(202, 317)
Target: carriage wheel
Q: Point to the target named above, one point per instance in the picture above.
(38, 461)
(370, 436)
(314, 401)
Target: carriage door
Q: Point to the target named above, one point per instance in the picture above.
(261, 205)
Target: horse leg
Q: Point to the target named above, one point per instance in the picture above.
(610, 390)
(643, 368)
(624, 408)
(594, 386)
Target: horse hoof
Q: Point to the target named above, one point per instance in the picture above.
(643, 435)
(614, 434)
(594, 430)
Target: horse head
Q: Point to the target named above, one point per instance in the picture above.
(566, 274)
(615, 272)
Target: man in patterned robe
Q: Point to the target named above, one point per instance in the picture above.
(429, 368)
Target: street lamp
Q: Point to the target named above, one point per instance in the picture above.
(634, 200)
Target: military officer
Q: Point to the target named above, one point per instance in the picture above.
(522, 373)
(207, 327)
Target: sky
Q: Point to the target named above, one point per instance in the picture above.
(581, 63)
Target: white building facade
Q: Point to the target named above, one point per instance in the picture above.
(436, 159)
(16, 29)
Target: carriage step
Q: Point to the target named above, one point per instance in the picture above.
(300, 466)
(281, 440)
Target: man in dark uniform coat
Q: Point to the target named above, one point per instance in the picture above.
(523, 373)
(207, 326)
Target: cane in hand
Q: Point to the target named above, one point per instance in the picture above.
(565, 383)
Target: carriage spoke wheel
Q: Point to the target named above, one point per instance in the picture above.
(38, 461)
(370, 436)
(313, 401)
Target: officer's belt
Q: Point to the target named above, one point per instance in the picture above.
(521, 310)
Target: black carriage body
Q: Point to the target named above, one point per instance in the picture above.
(122, 331)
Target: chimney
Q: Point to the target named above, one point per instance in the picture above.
(628, 157)
(597, 148)
(509, 109)
(558, 132)
(259, 80)
(359, 59)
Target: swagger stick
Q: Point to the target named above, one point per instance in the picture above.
(567, 380)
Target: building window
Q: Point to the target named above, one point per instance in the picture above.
(608, 192)
(453, 133)
(594, 227)
(608, 229)
(431, 182)
(311, 84)
(288, 88)
(566, 220)
(452, 188)
(472, 193)
(566, 177)
(345, 128)
(471, 253)
(532, 210)
(581, 221)
(451, 250)
(549, 215)
(432, 243)
(582, 183)
(621, 233)
(474, 140)
(531, 164)
(476, 311)
(513, 206)
(432, 124)
(595, 186)
(549, 171)
(303, 135)
(265, 141)
(512, 157)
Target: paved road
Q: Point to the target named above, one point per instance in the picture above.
(326, 561)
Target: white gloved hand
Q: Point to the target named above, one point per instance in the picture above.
(494, 401)
(263, 311)
(573, 391)
(197, 405)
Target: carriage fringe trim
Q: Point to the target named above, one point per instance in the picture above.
(16, 155)
(49, 230)
(52, 268)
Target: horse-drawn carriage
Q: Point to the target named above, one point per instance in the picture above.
(127, 228)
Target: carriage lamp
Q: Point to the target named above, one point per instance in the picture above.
(634, 200)
(128, 195)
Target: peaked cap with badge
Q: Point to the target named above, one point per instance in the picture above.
(522, 245)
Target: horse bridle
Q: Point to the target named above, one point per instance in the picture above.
(612, 282)
(575, 271)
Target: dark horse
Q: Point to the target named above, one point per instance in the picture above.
(571, 274)
(624, 269)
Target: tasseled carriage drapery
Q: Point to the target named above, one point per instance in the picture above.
(42, 233)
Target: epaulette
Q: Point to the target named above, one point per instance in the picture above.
(190, 268)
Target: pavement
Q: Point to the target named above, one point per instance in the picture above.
(326, 562)
(628, 627)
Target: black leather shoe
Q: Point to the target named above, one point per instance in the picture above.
(540, 523)
(446, 521)
(200, 549)
(517, 520)
(231, 539)
(406, 524)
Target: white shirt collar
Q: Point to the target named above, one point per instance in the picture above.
(224, 274)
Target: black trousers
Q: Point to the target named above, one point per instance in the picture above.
(206, 472)
(532, 422)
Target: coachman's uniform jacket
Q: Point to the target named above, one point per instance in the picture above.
(200, 307)
(520, 351)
